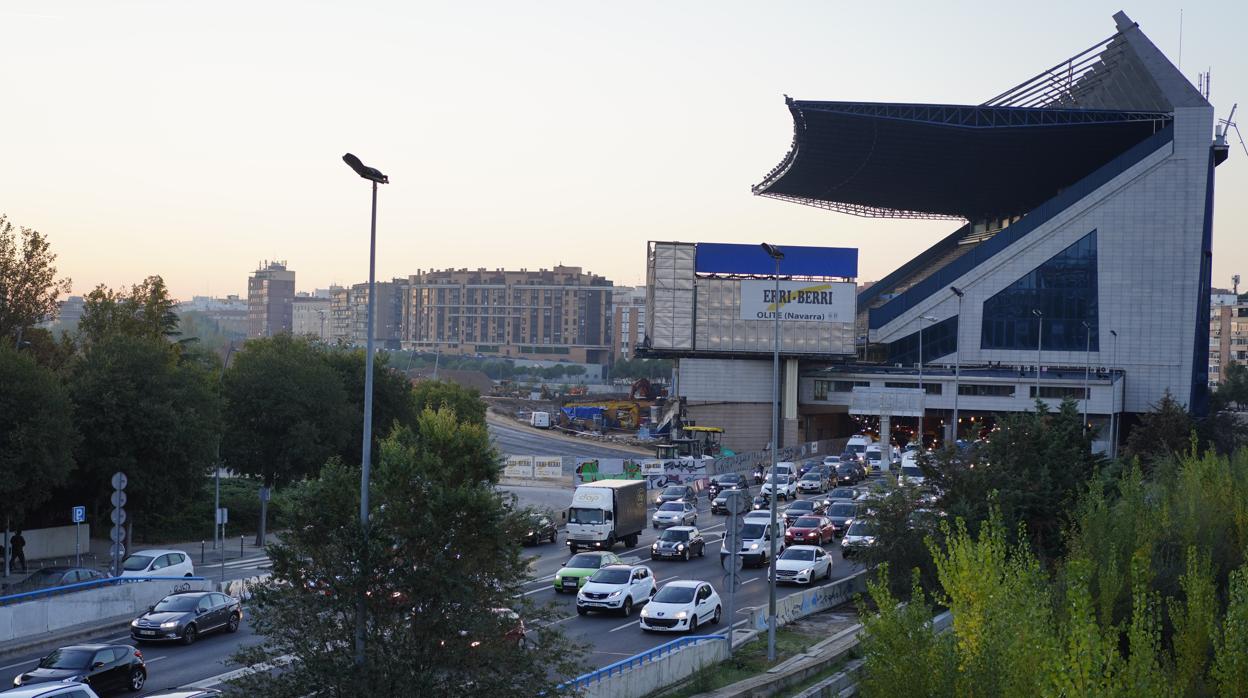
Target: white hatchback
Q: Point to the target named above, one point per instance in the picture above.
(616, 588)
(158, 563)
(682, 606)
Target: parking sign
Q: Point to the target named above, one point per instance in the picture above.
(79, 514)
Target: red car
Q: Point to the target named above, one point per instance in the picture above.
(810, 530)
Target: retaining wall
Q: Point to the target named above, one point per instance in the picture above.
(652, 676)
(31, 620)
(794, 606)
(58, 541)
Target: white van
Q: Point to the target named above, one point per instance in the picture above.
(857, 446)
(541, 420)
(874, 457)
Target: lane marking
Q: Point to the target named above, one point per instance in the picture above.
(14, 666)
(751, 579)
(153, 660)
(632, 624)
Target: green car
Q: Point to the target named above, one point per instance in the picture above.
(572, 576)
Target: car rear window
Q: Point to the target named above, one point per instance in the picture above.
(671, 594)
(585, 562)
(672, 506)
(843, 509)
(806, 522)
(610, 576)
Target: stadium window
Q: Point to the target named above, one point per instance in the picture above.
(973, 390)
(1064, 289)
(929, 388)
(1058, 392)
(939, 339)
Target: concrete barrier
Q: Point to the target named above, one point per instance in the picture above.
(58, 541)
(814, 600)
(32, 620)
(647, 677)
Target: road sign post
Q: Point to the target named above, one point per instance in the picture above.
(78, 515)
(735, 502)
(118, 517)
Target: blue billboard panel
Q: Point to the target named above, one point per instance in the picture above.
(732, 258)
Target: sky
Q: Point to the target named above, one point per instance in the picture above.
(194, 140)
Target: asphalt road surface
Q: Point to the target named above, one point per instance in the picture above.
(523, 441)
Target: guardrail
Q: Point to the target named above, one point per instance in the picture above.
(93, 584)
(651, 655)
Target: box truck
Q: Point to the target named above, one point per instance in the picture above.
(541, 420)
(607, 511)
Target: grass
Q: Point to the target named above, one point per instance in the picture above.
(748, 660)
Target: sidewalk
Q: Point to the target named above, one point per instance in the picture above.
(95, 555)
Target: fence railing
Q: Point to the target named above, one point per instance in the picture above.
(92, 584)
(651, 655)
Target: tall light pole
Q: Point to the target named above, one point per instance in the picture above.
(216, 512)
(957, 362)
(922, 388)
(376, 177)
(1113, 410)
(1087, 367)
(776, 255)
(1039, 343)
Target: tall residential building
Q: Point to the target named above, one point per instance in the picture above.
(560, 313)
(348, 313)
(310, 315)
(1228, 333)
(270, 292)
(628, 326)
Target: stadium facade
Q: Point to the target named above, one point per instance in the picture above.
(1081, 196)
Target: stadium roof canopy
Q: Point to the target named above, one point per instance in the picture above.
(996, 160)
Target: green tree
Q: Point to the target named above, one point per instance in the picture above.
(432, 492)
(1230, 666)
(143, 410)
(392, 398)
(37, 434)
(903, 655)
(28, 284)
(145, 310)
(286, 413)
(467, 403)
(1233, 390)
(50, 350)
(1163, 432)
(902, 525)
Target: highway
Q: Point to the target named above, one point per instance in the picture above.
(523, 441)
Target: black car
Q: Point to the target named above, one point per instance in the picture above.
(847, 494)
(675, 493)
(802, 507)
(105, 668)
(805, 467)
(847, 474)
(185, 616)
(727, 481)
(49, 577)
(679, 542)
(540, 527)
(842, 515)
(762, 501)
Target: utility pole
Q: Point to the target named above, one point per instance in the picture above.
(776, 254)
(1039, 343)
(957, 363)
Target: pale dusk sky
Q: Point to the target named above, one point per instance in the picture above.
(193, 140)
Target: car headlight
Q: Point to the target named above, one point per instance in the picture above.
(169, 624)
(17, 680)
(530, 533)
(645, 612)
(614, 594)
(654, 546)
(680, 546)
(558, 579)
(808, 570)
(848, 522)
(680, 615)
(753, 546)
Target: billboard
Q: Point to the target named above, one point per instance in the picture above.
(752, 260)
(800, 301)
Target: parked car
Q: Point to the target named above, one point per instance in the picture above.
(158, 563)
(672, 493)
(810, 530)
(50, 577)
(679, 542)
(812, 481)
(803, 564)
(540, 527)
(580, 567)
(52, 690)
(105, 668)
(800, 508)
(616, 588)
(911, 475)
(682, 605)
(184, 616)
(678, 513)
(727, 481)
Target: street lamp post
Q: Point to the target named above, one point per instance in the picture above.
(776, 255)
(1039, 343)
(376, 177)
(1087, 367)
(1113, 410)
(957, 362)
(216, 512)
(922, 388)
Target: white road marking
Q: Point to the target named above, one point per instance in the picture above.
(752, 579)
(153, 660)
(231, 675)
(14, 666)
(630, 624)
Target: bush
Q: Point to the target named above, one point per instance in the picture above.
(240, 496)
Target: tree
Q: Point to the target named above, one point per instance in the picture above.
(432, 495)
(435, 394)
(48, 349)
(146, 310)
(286, 413)
(37, 435)
(1233, 390)
(902, 525)
(143, 410)
(1163, 432)
(392, 398)
(28, 284)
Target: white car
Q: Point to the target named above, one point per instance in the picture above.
(783, 486)
(861, 535)
(812, 481)
(803, 564)
(911, 475)
(831, 460)
(763, 515)
(679, 513)
(616, 588)
(682, 605)
(158, 563)
(755, 536)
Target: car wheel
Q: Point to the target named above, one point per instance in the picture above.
(627, 610)
(715, 620)
(188, 635)
(686, 554)
(828, 573)
(232, 626)
(702, 551)
(554, 537)
(138, 678)
(573, 548)
(693, 623)
(188, 574)
(581, 610)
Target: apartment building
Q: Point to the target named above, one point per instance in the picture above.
(1228, 332)
(348, 314)
(310, 316)
(270, 293)
(628, 323)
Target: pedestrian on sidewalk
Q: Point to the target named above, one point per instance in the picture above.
(18, 544)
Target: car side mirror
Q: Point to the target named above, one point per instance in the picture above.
(200, 611)
(97, 665)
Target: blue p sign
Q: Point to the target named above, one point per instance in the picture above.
(79, 514)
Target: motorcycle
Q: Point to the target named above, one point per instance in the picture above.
(758, 475)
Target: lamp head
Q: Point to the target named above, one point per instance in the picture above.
(1036, 312)
(372, 174)
(773, 251)
(957, 291)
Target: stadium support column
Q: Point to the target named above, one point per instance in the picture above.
(790, 437)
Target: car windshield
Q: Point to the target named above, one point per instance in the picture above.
(752, 531)
(911, 471)
(798, 554)
(812, 475)
(610, 576)
(585, 562)
(136, 563)
(861, 528)
(176, 604)
(804, 505)
(855, 448)
(842, 493)
(585, 516)
(728, 479)
(672, 506)
(843, 509)
(66, 659)
(806, 522)
(674, 490)
(781, 479)
(671, 594)
(671, 534)
(845, 469)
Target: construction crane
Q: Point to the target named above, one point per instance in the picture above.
(1228, 123)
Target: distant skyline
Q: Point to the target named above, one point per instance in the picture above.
(195, 141)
